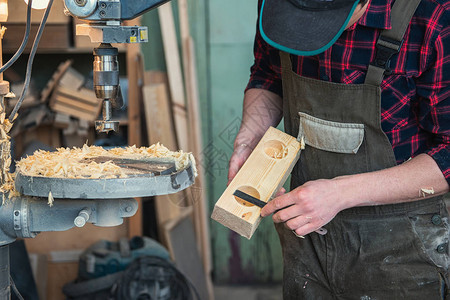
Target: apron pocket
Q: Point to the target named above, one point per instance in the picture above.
(432, 233)
(330, 136)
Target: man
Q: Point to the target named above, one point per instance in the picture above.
(366, 85)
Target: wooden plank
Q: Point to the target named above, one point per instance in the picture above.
(85, 95)
(58, 275)
(72, 80)
(160, 129)
(134, 70)
(182, 246)
(261, 176)
(193, 108)
(176, 85)
(88, 108)
(158, 115)
(62, 108)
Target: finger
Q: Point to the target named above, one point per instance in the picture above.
(307, 229)
(280, 192)
(233, 168)
(296, 222)
(238, 158)
(286, 214)
(278, 204)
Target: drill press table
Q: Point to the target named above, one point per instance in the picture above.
(145, 177)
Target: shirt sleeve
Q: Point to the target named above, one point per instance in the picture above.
(266, 71)
(433, 89)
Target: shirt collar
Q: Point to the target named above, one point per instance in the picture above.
(377, 15)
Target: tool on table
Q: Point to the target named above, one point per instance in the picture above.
(249, 198)
(104, 18)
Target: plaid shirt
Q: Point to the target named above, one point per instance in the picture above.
(415, 100)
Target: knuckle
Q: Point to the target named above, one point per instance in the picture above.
(277, 203)
(291, 224)
(281, 216)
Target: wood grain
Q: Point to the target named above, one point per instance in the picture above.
(262, 175)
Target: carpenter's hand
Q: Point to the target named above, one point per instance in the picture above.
(240, 155)
(307, 208)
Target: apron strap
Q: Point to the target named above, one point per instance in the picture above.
(286, 63)
(391, 41)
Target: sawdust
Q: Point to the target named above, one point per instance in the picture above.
(6, 178)
(74, 162)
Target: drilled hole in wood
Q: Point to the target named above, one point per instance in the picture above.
(275, 149)
(248, 190)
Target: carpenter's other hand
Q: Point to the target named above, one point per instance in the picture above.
(240, 155)
(306, 208)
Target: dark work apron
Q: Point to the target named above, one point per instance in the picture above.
(380, 252)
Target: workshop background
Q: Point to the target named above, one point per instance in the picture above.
(222, 33)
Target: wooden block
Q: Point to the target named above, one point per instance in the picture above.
(72, 111)
(83, 42)
(61, 120)
(53, 82)
(71, 79)
(261, 176)
(81, 104)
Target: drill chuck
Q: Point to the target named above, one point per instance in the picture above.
(106, 72)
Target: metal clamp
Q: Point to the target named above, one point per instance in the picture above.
(386, 48)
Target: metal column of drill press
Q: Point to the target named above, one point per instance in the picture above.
(106, 85)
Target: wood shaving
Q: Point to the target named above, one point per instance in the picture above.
(424, 192)
(50, 199)
(6, 178)
(74, 163)
(302, 143)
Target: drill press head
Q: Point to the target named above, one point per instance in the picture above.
(106, 85)
(104, 25)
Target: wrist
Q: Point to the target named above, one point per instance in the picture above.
(348, 191)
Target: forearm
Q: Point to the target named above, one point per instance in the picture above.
(262, 109)
(415, 179)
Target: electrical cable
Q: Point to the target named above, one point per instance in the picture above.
(24, 41)
(14, 287)
(30, 61)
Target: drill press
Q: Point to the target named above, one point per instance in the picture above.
(103, 202)
(104, 26)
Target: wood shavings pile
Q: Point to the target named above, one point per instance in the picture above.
(74, 163)
(5, 161)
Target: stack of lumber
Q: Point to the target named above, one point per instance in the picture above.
(68, 96)
(81, 104)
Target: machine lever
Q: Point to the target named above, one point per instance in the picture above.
(83, 217)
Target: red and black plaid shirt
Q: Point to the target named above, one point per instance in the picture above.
(415, 100)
